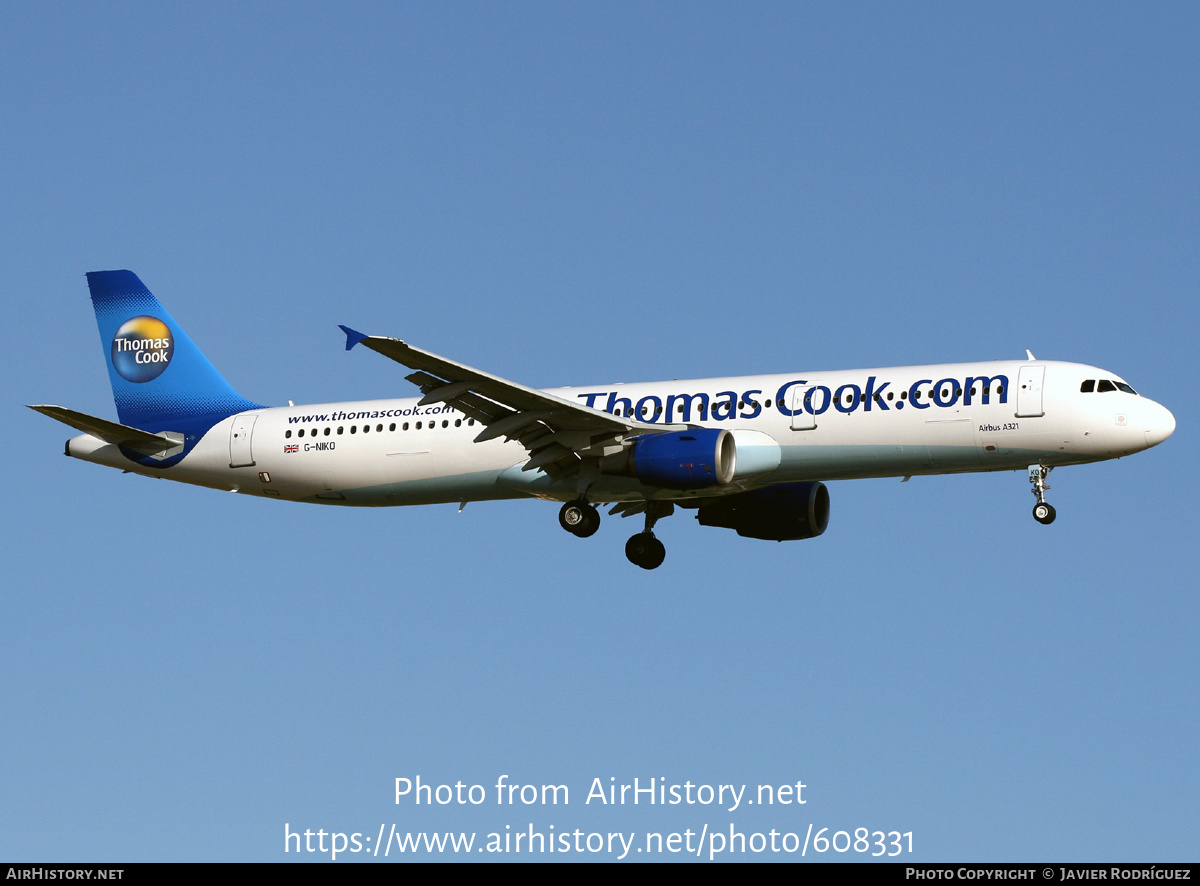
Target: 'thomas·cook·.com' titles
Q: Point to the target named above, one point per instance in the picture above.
(797, 396)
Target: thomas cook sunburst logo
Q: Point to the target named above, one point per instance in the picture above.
(142, 349)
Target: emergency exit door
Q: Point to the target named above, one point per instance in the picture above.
(240, 436)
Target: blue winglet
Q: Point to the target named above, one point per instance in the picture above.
(352, 336)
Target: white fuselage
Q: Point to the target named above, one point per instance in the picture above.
(846, 424)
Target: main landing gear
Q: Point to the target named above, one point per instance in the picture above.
(1042, 512)
(579, 518)
(644, 549)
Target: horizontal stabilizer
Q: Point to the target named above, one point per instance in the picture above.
(157, 445)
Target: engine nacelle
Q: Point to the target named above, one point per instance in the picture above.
(786, 512)
(692, 459)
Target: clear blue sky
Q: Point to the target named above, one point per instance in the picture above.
(579, 194)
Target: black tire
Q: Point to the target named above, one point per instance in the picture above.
(570, 516)
(591, 522)
(1044, 513)
(658, 553)
(579, 518)
(645, 550)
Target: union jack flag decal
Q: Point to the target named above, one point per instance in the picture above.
(291, 447)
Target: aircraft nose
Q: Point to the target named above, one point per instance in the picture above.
(1160, 425)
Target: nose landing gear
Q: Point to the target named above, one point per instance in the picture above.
(1042, 512)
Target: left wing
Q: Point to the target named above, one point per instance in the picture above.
(558, 434)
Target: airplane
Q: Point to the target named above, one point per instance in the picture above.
(751, 454)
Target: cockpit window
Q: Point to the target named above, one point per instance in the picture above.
(1105, 387)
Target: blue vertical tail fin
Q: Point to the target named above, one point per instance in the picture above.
(160, 379)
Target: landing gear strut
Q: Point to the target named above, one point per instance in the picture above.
(644, 549)
(579, 518)
(1042, 512)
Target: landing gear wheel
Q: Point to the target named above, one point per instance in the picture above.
(1043, 513)
(645, 550)
(579, 518)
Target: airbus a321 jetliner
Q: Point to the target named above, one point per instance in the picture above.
(747, 454)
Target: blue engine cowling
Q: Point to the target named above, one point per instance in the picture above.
(786, 512)
(692, 459)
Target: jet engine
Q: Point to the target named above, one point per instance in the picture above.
(698, 458)
(692, 459)
(786, 512)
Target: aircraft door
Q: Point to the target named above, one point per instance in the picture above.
(240, 435)
(1029, 391)
(802, 419)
